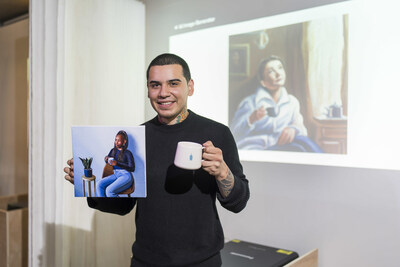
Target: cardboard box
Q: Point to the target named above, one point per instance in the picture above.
(14, 231)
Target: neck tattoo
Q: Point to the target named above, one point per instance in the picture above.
(182, 116)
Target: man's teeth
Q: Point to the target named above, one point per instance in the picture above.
(166, 103)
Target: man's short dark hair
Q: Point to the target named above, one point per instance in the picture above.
(261, 66)
(170, 59)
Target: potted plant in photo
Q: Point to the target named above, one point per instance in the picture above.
(87, 162)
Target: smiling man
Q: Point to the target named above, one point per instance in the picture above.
(177, 224)
(168, 91)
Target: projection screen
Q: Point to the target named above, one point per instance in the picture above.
(333, 70)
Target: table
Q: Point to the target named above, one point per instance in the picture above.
(331, 134)
(89, 180)
(309, 259)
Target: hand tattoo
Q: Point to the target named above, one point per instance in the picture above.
(225, 185)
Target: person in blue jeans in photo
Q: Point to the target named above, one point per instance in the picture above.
(123, 164)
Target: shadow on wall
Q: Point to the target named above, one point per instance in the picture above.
(108, 243)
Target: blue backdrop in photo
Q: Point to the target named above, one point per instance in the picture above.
(96, 142)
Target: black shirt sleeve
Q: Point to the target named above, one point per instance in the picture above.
(237, 199)
(128, 163)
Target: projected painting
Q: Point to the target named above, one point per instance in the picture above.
(288, 87)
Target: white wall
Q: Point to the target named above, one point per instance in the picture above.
(351, 215)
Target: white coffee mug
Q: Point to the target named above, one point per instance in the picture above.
(110, 159)
(188, 155)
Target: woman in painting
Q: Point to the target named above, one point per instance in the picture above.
(123, 163)
(270, 119)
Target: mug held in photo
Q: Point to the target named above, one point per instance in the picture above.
(188, 155)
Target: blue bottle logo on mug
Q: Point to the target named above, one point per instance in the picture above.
(191, 157)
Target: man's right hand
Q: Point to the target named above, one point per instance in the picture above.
(69, 171)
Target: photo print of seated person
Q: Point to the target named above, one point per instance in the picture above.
(122, 161)
(270, 119)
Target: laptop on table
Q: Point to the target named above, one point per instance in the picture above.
(237, 253)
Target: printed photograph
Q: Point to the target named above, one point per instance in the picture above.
(291, 94)
(109, 161)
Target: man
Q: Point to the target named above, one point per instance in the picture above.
(177, 224)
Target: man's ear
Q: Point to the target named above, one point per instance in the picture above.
(191, 87)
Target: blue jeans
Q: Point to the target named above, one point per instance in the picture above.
(112, 185)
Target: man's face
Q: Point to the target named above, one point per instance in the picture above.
(168, 91)
(274, 75)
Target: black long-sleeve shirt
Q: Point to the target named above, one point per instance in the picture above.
(177, 223)
(127, 163)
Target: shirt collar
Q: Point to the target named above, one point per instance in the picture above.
(263, 94)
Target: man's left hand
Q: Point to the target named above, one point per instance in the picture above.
(213, 162)
(215, 165)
